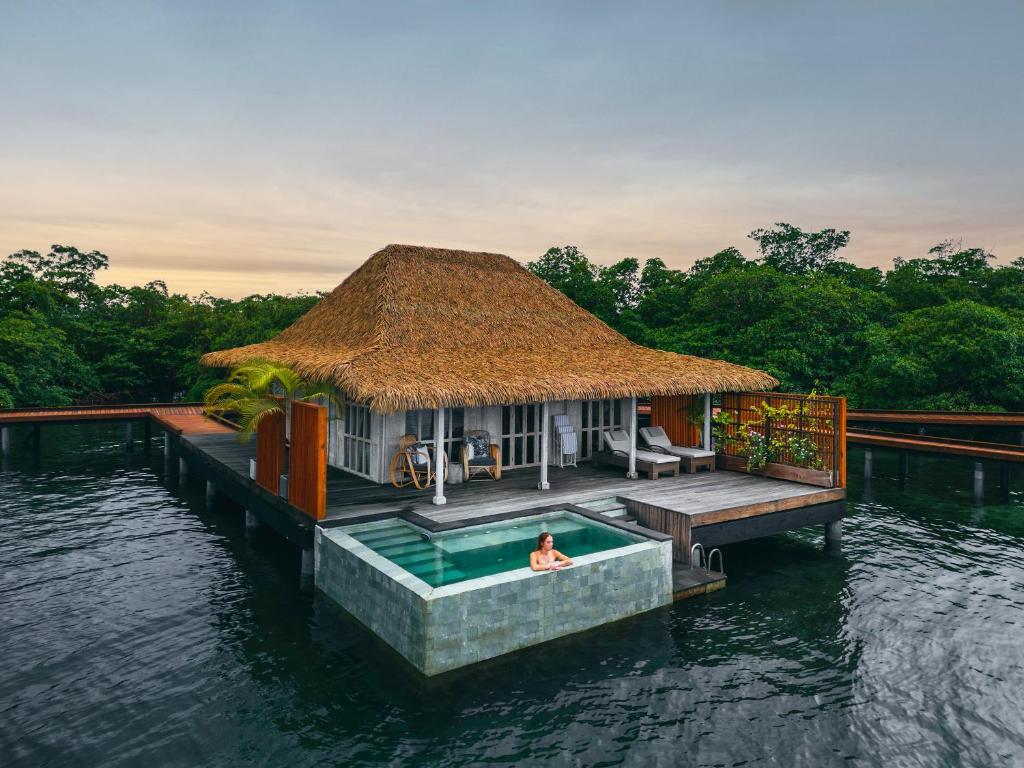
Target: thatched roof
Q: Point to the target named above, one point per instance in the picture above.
(421, 327)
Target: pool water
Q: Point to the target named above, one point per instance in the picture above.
(454, 556)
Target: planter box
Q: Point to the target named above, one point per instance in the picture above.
(778, 471)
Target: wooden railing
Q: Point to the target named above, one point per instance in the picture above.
(791, 424)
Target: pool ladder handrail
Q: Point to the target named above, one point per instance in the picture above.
(700, 557)
(711, 559)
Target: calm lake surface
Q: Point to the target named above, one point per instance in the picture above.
(139, 628)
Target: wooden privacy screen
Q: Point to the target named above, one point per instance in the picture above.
(270, 452)
(307, 459)
(673, 414)
(820, 418)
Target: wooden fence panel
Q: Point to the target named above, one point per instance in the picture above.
(307, 459)
(270, 454)
(820, 418)
(672, 413)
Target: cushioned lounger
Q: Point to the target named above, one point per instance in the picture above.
(693, 458)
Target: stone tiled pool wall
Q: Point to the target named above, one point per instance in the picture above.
(444, 628)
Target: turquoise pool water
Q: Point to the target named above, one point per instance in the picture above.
(469, 553)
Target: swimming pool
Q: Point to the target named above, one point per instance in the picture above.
(448, 598)
(454, 556)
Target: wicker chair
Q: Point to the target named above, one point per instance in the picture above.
(489, 465)
(415, 466)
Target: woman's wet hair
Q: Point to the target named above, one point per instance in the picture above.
(540, 540)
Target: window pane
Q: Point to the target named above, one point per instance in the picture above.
(595, 413)
(618, 412)
(585, 413)
(426, 425)
(519, 420)
(529, 418)
(529, 450)
(411, 428)
(606, 412)
(505, 419)
(455, 425)
(519, 451)
(506, 455)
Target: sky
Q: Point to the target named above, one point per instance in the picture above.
(253, 147)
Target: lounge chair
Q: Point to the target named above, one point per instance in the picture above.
(415, 464)
(480, 456)
(617, 453)
(692, 458)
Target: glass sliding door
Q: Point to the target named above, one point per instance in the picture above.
(596, 416)
(520, 435)
(421, 424)
(356, 439)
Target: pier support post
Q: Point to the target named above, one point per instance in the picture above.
(545, 438)
(307, 562)
(834, 533)
(979, 481)
(869, 463)
(167, 445)
(5, 440)
(182, 470)
(211, 494)
(129, 443)
(251, 523)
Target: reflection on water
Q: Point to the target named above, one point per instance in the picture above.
(138, 626)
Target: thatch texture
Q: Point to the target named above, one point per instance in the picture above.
(421, 327)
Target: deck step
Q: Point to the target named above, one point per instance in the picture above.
(602, 505)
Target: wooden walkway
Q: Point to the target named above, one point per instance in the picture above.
(180, 418)
(928, 444)
(938, 418)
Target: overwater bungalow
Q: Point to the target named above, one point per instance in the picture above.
(478, 406)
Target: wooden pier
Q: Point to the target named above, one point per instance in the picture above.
(709, 508)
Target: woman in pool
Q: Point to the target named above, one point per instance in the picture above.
(545, 557)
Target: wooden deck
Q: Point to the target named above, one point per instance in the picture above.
(710, 507)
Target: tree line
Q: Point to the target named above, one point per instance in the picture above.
(941, 331)
(944, 330)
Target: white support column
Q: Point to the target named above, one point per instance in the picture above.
(439, 461)
(631, 474)
(545, 439)
(707, 422)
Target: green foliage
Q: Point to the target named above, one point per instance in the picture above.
(258, 388)
(943, 330)
(66, 339)
(792, 251)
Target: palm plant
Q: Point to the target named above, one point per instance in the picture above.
(252, 390)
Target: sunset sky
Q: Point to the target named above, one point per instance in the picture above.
(254, 147)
